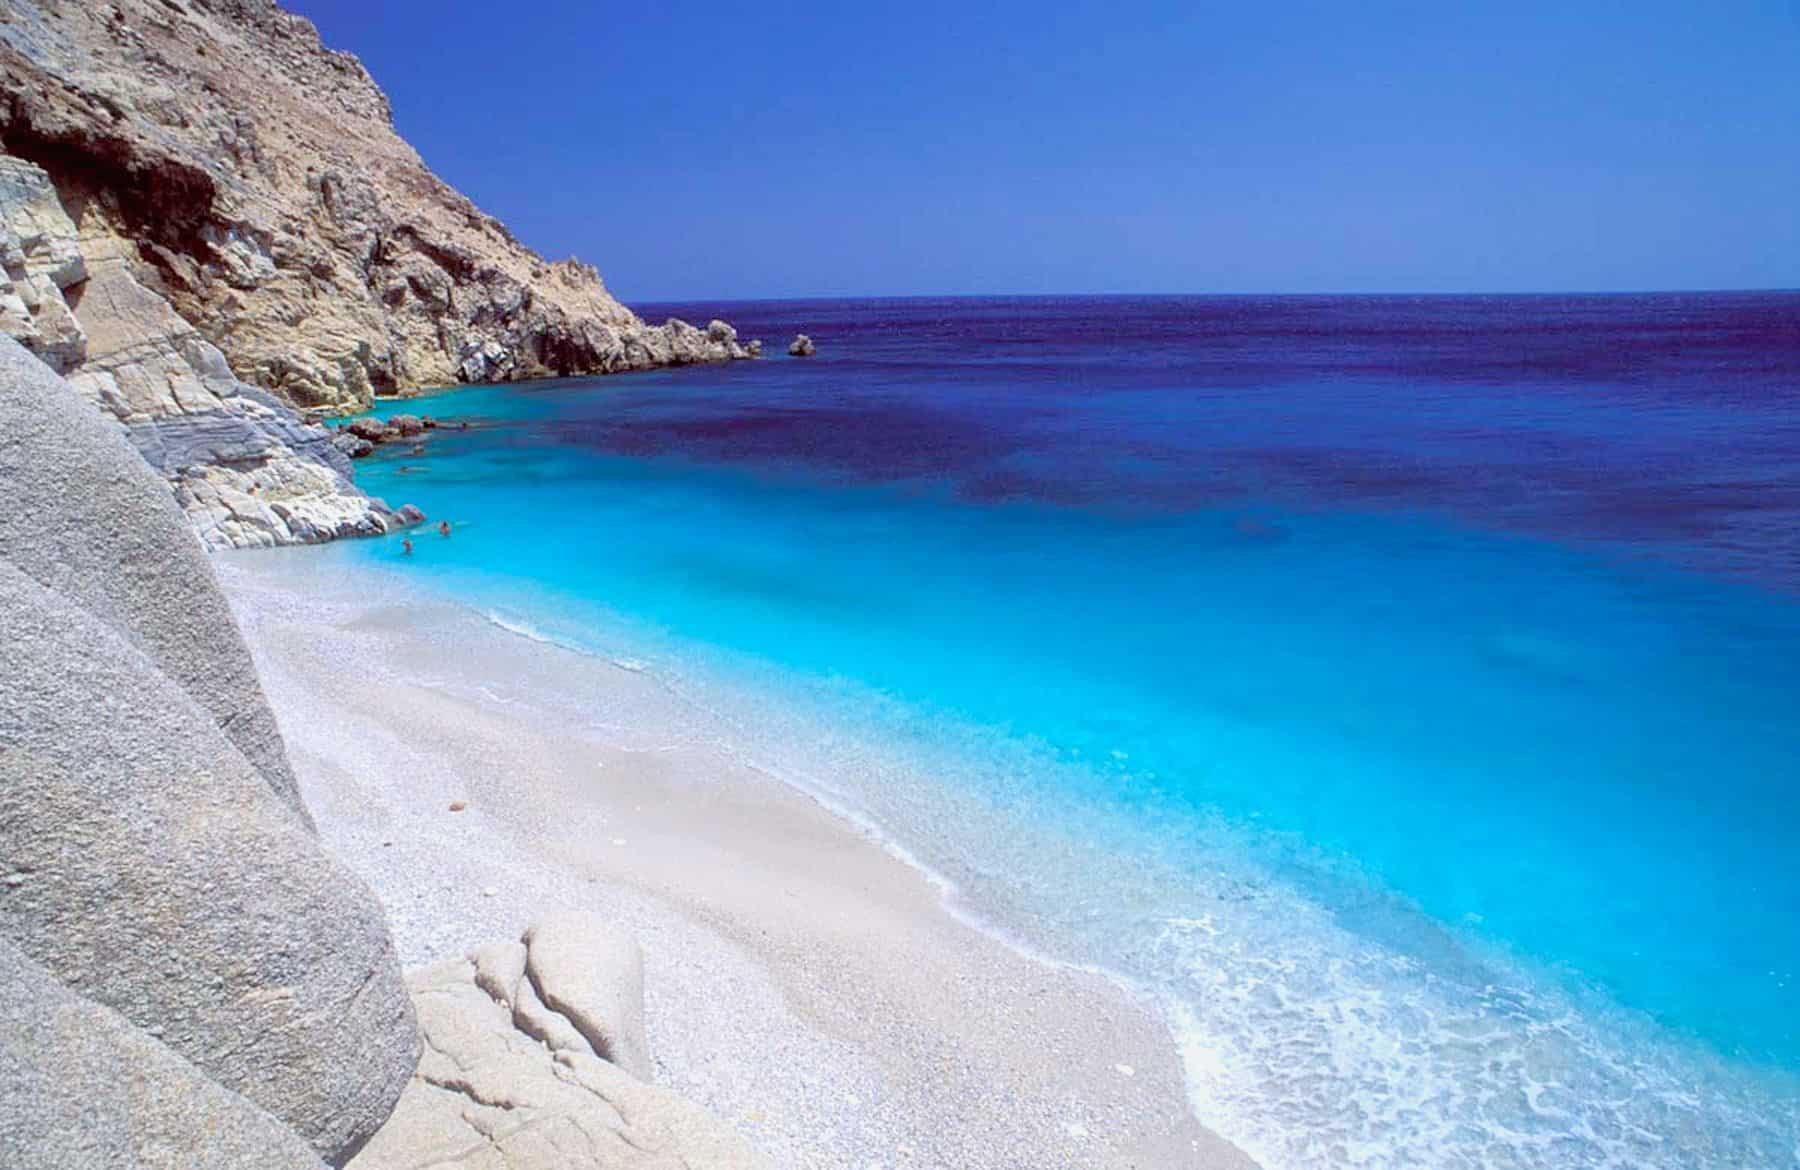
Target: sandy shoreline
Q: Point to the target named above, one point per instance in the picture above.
(803, 982)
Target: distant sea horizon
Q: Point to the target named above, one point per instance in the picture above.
(658, 307)
(1403, 689)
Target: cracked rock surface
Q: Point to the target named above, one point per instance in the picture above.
(510, 1083)
(244, 466)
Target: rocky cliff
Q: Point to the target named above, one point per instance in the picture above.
(207, 217)
(247, 470)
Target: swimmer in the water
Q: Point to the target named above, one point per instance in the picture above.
(406, 546)
(443, 528)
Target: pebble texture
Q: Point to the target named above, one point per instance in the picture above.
(492, 1093)
(84, 1089)
(87, 519)
(151, 867)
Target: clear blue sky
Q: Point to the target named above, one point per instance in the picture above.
(709, 150)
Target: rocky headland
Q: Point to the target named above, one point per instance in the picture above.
(210, 226)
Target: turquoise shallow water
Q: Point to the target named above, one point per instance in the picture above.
(1406, 692)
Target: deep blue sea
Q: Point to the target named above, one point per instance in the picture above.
(1403, 690)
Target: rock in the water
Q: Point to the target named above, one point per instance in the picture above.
(511, 1086)
(85, 1089)
(407, 516)
(407, 424)
(802, 346)
(164, 873)
(754, 349)
(355, 446)
(371, 430)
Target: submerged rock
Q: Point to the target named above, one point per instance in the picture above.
(802, 346)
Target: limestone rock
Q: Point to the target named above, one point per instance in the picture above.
(39, 258)
(587, 971)
(85, 516)
(492, 1095)
(354, 446)
(802, 346)
(372, 430)
(264, 192)
(85, 1089)
(248, 469)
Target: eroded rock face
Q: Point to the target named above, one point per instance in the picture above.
(154, 853)
(510, 1083)
(84, 1088)
(150, 866)
(265, 194)
(592, 975)
(84, 516)
(245, 467)
(40, 258)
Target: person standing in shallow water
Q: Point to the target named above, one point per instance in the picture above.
(406, 546)
(443, 528)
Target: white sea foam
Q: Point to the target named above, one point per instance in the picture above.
(1305, 1042)
(523, 628)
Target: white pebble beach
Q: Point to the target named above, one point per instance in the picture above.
(803, 982)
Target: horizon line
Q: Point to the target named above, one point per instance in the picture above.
(1047, 296)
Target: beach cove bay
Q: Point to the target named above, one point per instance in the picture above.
(1404, 692)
